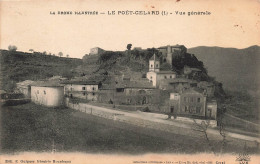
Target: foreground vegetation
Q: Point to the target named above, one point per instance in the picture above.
(19, 66)
(30, 127)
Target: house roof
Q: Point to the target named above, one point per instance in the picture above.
(2, 91)
(47, 83)
(166, 72)
(84, 82)
(139, 84)
(154, 57)
(195, 69)
(180, 80)
(205, 84)
(174, 46)
(107, 87)
(192, 69)
(128, 84)
(25, 83)
(97, 48)
(193, 90)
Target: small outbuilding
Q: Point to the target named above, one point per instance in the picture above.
(47, 93)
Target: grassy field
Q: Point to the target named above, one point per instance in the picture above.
(30, 127)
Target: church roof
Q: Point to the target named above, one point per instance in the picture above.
(154, 57)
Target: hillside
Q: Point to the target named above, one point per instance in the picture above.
(18, 66)
(237, 69)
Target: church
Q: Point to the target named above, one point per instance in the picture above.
(155, 75)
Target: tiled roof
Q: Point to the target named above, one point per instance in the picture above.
(195, 69)
(139, 84)
(166, 72)
(193, 90)
(25, 83)
(84, 82)
(154, 57)
(180, 80)
(175, 46)
(47, 83)
(205, 84)
(128, 84)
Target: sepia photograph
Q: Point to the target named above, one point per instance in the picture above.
(121, 81)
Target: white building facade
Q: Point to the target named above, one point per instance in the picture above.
(51, 96)
(155, 75)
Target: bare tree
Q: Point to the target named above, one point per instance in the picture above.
(203, 127)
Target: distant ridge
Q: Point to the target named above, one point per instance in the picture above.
(237, 69)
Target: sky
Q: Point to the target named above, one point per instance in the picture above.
(29, 25)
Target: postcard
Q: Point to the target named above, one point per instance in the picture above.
(133, 81)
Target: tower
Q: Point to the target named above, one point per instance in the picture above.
(169, 55)
(154, 64)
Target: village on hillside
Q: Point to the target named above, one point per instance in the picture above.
(157, 90)
(185, 96)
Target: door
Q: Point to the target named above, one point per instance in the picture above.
(172, 109)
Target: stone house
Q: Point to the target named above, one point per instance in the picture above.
(128, 93)
(82, 89)
(192, 102)
(208, 86)
(177, 84)
(96, 51)
(212, 108)
(191, 72)
(168, 52)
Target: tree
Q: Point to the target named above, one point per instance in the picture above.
(60, 54)
(67, 56)
(31, 50)
(129, 46)
(44, 53)
(49, 53)
(12, 48)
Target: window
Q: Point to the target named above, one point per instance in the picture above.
(171, 76)
(157, 65)
(37, 91)
(186, 109)
(151, 66)
(185, 99)
(165, 77)
(44, 92)
(198, 109)
(93, 88)
(93, 94)
(83, 88)
(119, 89)
(84, 93)
(151, 77)
(198, 99)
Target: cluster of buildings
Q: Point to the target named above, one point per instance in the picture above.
(161, 91)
